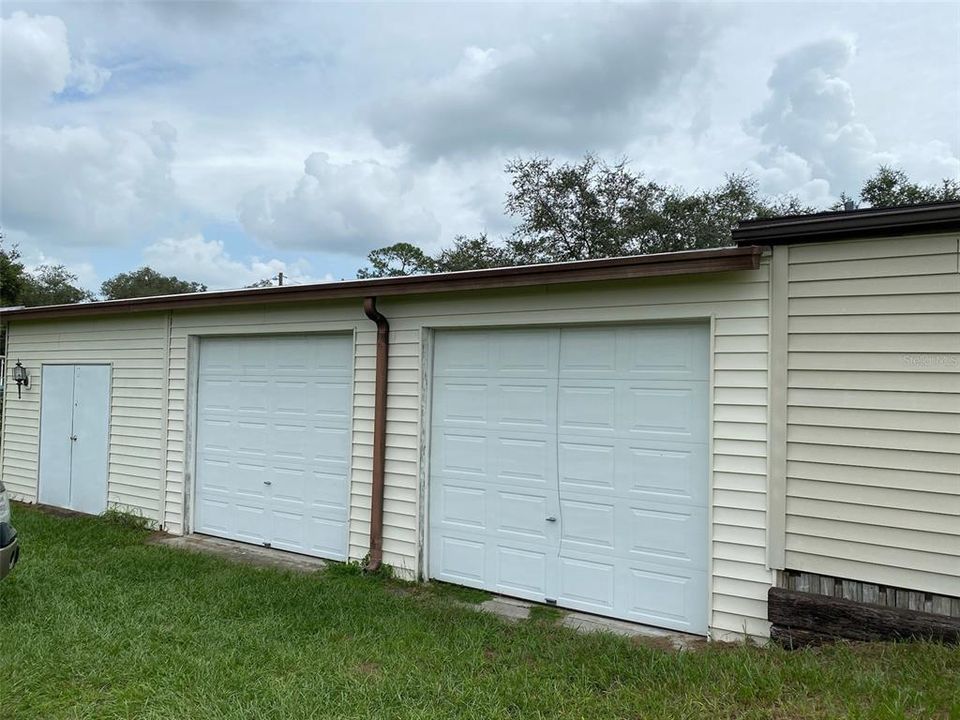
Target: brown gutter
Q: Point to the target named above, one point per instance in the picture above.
(690, 262)
(379, 433)
(851, 224)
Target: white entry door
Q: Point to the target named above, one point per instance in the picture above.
(570, 466)
(273, 441)
(74, 422)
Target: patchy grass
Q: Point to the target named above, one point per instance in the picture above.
(128, 519)
(546, 614)
(97, 624)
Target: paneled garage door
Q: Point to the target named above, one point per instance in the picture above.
(570, 466)
(273, 441)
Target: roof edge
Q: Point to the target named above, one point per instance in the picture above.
(850, 224)
(620, 268)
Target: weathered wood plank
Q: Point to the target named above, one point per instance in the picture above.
(857, 621)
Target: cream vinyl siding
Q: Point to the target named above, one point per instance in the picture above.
(135, 348)
(873, 416)
(738, 302)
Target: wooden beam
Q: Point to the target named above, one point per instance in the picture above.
(835, 617)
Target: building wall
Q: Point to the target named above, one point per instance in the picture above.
(738, 302)
(152, 354)
(135, 347)
(873, 411)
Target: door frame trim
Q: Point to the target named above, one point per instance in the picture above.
(427, 345)
(194, 345)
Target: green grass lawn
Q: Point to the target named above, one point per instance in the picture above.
(97, 624)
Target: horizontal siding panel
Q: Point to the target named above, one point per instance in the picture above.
(869, 438)
(740, 379)
(895, 402)
(737, 535)
(742, 571)
(874, 361)
(883, 324)
(946, 483)
(945, 463)
(932, 382)
(755, 397)
(739, 464)
(741, 344)
(913, 420)
(741, 588)
(927, 562)
(740, 361)
(873, 305)
(885, 537)
(740, 448)
(739, 481)
(739, 517)
(876, 506)
(740, 430)
(882, 267)
(741, 326)
(739, 499)
(874, 248)
(942, 342)
(741, 414)
(904, 286)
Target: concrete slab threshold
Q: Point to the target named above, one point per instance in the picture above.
(515, 610)
(242, 552)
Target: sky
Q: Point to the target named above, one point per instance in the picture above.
(225, 142)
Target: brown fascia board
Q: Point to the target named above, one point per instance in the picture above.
(621, 268)
(851, 224)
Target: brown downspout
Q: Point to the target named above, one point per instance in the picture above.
(379, 433)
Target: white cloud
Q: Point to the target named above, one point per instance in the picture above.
(87, 77)
(814, 143)
(350, 208)
(37, 64)
(208, 261)
(35, 58)
(85, 185)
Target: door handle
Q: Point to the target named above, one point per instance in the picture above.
(551, 519)
(73, 437)
(267, 482)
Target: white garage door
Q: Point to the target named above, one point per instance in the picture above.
(570, 466)
(273, 441)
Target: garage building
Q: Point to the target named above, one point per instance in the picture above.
(659, 438)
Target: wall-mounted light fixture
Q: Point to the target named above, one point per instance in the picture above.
(21, 377)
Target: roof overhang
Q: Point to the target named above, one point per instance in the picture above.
(621, 268)
(852, 224)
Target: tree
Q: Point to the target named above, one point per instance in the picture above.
(53, 285)
(471, 254)
(13, 276)
(398, 259)
(592, 209)
(46, 285)
(890, 187)
(146, 282)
